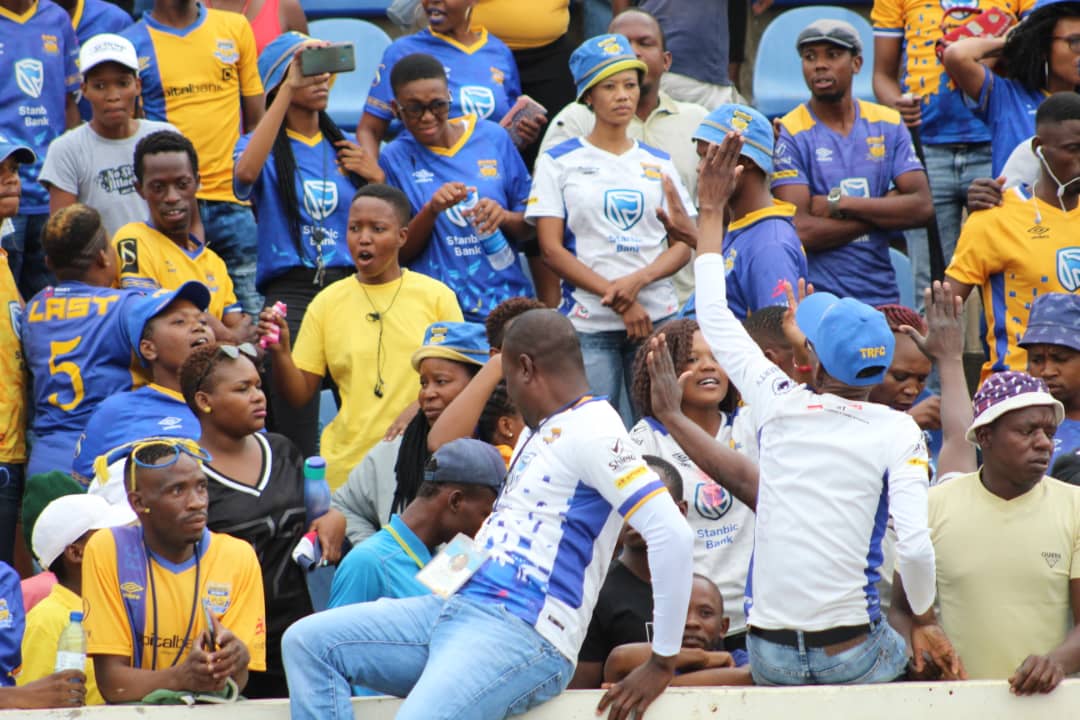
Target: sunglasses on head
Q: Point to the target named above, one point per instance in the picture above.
(178, 446)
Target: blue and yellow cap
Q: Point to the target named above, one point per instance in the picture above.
(275, 57)
(601, 57)
(755, 129)
(851, 339)
(462, 342)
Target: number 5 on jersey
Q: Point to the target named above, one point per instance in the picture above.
(69, 368)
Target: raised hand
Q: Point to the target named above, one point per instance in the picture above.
(944, 339)
(677, 222)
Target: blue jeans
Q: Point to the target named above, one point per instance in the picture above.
(426, 650)
(882, 657)
(231, 233)
(26, 256)
(951, 169)
(11, 491)
(609, 367)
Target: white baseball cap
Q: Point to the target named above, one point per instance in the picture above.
(108, 47)
(68, 518)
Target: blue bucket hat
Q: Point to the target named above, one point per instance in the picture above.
(150, 306)
(601, 57)
(755, 129)
(851, 339)
(1054, 320)
(462, 342)
(275, 57)
(466, 461)
(22, 153)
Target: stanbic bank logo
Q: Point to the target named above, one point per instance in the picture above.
(624, 208)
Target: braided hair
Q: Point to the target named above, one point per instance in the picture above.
(900, 315)
(1027, 49)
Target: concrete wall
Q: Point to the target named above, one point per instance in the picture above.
(984, 700)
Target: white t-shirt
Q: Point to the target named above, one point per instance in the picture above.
(608, 203)
(723, 526)
(100, 172)
(831, 472)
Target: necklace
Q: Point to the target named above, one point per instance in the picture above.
(377, 316)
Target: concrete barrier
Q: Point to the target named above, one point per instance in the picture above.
(977, 700)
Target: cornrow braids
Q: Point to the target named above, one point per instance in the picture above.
(899, 315)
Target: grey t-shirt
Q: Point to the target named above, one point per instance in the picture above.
(99, 172)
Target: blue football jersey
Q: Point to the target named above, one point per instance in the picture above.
(38, 64)
(324, 194)
(484, 157)
(78, 355)
(483, 77)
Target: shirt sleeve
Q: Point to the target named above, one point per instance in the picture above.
(908, 484)
(887, 17)
(243, 191)
(518, 182)
(248, 63)
(356, 580)
(380, 95)
(546, 197)
(12, 623)
(770, 265)
(309, 350)
(975, 258)
(354, 501)
(138, 268)
(72, 78)
(511, 78)
(904, 157)
(246, 616)
(788, 166)
(61, 166)
(107, 629)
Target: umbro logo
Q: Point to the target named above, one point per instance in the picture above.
(1038, 230)
(1051, 558)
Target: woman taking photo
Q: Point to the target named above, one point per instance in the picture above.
(594, 202)
(299, 172)
(256, 490)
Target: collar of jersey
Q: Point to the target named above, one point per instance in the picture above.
(470, 125)
(66, 596)
(779, 208)
(1027, 194)
(304, 139)
(666, 104)
(176, 568)
(30, 12)
(264, 473)
(467, 49)
(76, 17)
(165, 391)
(179, 32)
(406, 538)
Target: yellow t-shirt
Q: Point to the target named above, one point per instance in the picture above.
(44, 623)
(338, 335)
(1003, 570)
(524, 25)
(1015, 252)
(12, 370)
(230, 581)
(150, 260)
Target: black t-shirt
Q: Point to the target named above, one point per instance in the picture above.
(270, 516)
(623, 614)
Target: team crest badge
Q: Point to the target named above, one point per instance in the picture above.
(711, 500)
(1068, 268)
(624, 208)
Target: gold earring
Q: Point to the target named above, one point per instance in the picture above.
(207, 410)
(146, 511)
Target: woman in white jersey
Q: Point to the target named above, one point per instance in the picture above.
(723, 526)
(594, 202)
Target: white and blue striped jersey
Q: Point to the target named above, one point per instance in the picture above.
(552, 533)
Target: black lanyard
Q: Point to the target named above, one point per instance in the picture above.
(191, 617)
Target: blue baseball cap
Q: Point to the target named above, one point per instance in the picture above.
(462, 342)
(755, 129)
(466, 461)
(851, 339)
(21, 152)
(275, 57)
(601, 57)
(150, 306)
(1054, 320)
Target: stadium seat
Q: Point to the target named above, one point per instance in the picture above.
(350, 90)
(778, 81)
(318, 9)
(328, 409)
(902, 267)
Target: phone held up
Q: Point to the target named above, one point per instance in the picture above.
(333, 58)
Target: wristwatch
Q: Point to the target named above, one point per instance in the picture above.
(833, 200)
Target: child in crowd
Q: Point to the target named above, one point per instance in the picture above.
(73, 335)
(385, 309)
(1052, 341)
(390, 474)
(92, 163)
(162, 329)
(702, 660)
(436, 162)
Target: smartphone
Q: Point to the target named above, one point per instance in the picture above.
(524, 108)
(333, 58)
(209, 628)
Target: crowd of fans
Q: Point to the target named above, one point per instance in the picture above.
(555, 429)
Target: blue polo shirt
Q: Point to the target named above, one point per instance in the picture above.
(384, 565)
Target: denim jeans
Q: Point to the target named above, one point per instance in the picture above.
(609, 367)
(26, 256)
(455, 659)
(951, 169)
(882, 657)
(231, 233)
(11, 491)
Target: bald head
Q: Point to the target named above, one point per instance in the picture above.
(631, 17)
(547, 337)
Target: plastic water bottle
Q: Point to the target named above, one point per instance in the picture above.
(71, 650)
(498, 250)
(316, 490)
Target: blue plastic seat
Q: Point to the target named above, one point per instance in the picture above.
(904, 279)
(350, 90)
(317, 9)
(778, 79)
